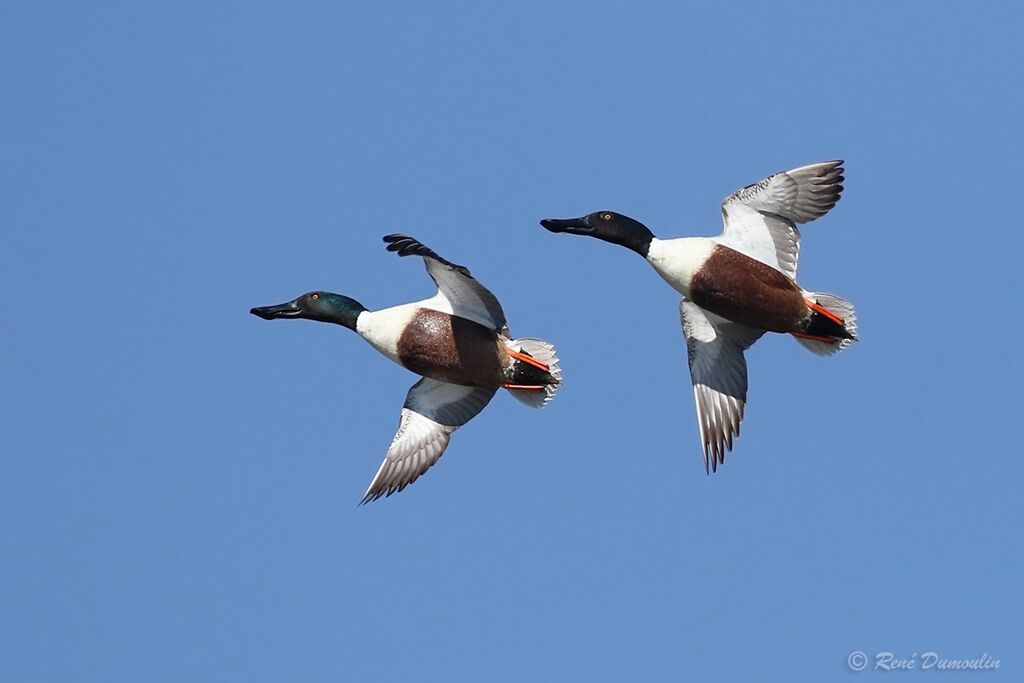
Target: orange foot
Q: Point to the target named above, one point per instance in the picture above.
(530, 387)
(529, 360)
(813, 337)
(817, 308)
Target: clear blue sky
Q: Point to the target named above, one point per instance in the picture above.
(180, 479)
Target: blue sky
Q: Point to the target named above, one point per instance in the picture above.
(180, 478)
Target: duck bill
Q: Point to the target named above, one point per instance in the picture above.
(576, 226)
(287, 310)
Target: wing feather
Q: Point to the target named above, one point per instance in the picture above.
(760, 220)
(433, 411)
(466, 297)
(715, 348)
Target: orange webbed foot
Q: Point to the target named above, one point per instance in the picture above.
(814, 337)
(818, 308)
(529, 360)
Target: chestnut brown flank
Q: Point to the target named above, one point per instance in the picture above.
(742, 289)
(451, 349)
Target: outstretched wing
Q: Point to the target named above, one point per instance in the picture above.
(466, 297)
(715, 348)
(433, 411)
(761, 219)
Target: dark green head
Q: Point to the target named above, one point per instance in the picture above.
(326, 307)
(608, 226)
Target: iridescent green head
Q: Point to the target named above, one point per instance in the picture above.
(326, 307)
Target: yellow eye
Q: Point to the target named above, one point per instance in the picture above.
(606, 216)
(315, 297)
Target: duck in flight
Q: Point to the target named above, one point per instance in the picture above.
(457, 340)
(739, 285)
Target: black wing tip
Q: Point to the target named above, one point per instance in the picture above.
(372, 496)
(389, 486)
(382, 492)
(712, 460)
(404, 245)
(715, 451)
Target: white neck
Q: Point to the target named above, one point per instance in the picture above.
(676, 260)
(383, 328)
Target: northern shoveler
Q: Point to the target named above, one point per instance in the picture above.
(739, 285)
(457, 340)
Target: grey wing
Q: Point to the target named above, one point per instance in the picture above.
(760, 219)
(465, 295)
(715, 348)
(433, 411)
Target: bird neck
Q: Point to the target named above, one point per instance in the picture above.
(633, 235)
(341, 310)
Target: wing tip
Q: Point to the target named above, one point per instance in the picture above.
(825, 167)
(385, 485)
(717, 439)
(406, 245)
(372, 495)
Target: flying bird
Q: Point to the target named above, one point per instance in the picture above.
(457, 340)
(739, 285)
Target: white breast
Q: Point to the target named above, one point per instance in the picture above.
(383, 328)
(677, 260)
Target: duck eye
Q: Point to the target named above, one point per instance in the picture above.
(315, 296)
(606, 216)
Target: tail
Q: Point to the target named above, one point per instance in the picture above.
(832, 325)
(539, 377)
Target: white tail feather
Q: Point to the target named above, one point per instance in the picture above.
(816, 347)
(545, 353)
(842, 308)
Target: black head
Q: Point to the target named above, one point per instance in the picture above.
(325, 307)
(608, 226)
